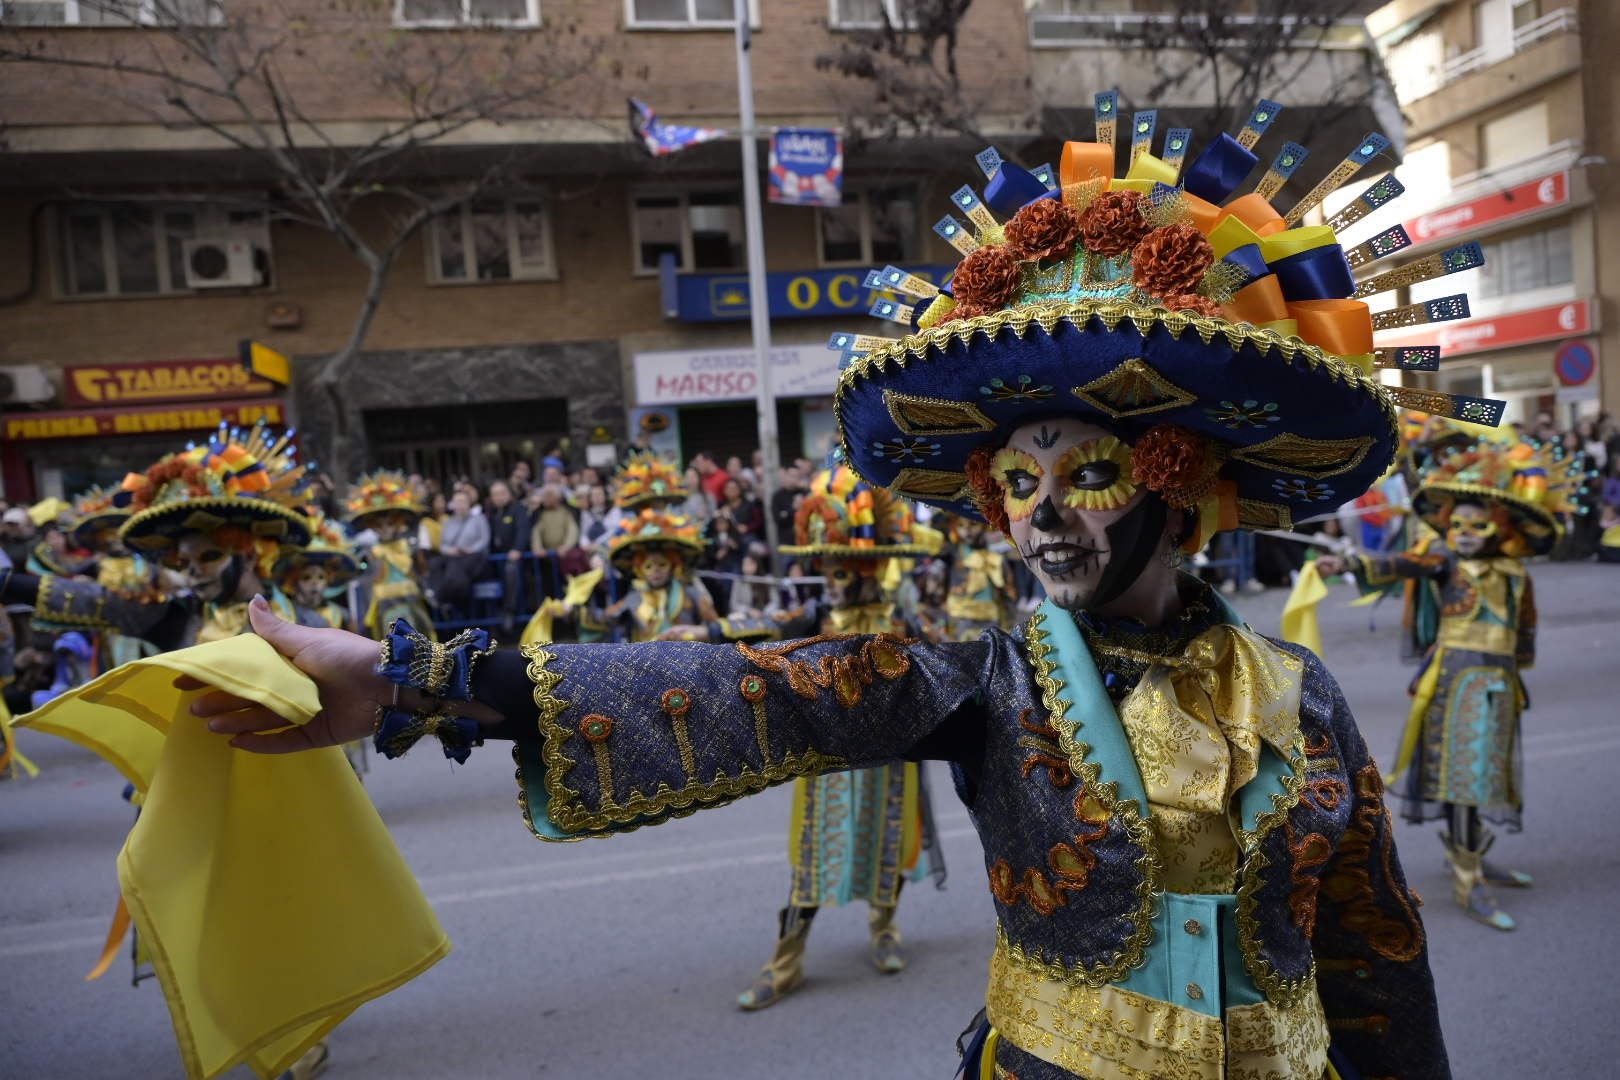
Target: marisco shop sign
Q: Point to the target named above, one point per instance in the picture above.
(161, 380)
(100, 423)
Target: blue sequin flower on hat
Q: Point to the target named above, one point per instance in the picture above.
(1295, 488)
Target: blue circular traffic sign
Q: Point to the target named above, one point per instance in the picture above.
(1574, 363)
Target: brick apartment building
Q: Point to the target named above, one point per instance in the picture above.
(536, 313)
(1511, 139)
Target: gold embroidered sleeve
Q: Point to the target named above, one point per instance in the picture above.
(632, 735)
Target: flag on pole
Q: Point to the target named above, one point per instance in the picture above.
(661, 138)
(806, 167)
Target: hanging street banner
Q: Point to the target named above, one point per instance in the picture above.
(662, 139)
(807, 167)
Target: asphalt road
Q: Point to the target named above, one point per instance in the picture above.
(620, 958)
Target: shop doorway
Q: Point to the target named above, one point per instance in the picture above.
(480, 441)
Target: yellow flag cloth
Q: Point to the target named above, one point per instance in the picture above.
(267, 889)
(579, 590)
(10, 756)
(1299, 624)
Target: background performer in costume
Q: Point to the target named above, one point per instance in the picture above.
(1461, 752)
(385, 503)
(857, 835)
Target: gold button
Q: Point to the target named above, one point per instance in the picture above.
(1193, 927)
(1195, 991)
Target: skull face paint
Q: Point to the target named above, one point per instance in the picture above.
(1471, 531)
(309, 587)
(206, 568)
(851, 582)
(391, 526)
(1067, 483)
(655, 568)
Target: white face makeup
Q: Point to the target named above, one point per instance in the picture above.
(1066, 482)
(202, 565)
(310, 585)
(1471, 530)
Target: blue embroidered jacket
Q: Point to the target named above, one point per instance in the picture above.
(633, 735)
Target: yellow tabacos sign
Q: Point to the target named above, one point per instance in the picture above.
(96, 423)
(162, 380)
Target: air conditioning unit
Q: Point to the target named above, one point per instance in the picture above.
(220, 262)
(25, 384)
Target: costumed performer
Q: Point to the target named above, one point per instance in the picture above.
(1475, 618)
(861, 834)
(1192, 867)
(307, 576)
(982, 591)
(385, 503)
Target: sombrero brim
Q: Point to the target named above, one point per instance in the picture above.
(636, 502)
(342, 566)
(1539, 528)
(621, 549)
(111, 518)
(850, 551)
(1303, 429)
(159, 527)
(359, 519)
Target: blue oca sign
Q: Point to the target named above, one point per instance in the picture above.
(794, 294)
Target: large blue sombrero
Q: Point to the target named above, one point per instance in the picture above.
(1143, 301)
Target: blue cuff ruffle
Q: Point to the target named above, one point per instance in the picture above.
(439, 669)
(398, 731)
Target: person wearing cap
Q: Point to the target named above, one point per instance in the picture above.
(1188, 853)
(1473, 613)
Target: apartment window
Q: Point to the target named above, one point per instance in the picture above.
(493, 240)
(686, 14)
(1525, 12)
(702, 229)
(111, 12)
(872, 14)
(467, 13)
(1416, 65)
(1518, 135)
(139, 249)
(874, 226)
(1522, 263)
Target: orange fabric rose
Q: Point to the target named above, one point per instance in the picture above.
(1198, 305)
(1113, 223)
(987, 280)
(1045, 229)
(1169, 261)
(1177, 462)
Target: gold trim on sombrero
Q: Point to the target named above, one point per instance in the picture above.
(1133, 388)
(914, 483)
(915, 415)
(1297, 454)
(269, 520)
(850, 551)
(1260, 514)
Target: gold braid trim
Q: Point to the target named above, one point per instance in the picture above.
(65, 615)
(568, 812)
(1137, 830)
(1280, 991)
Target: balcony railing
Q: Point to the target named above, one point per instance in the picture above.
(1054, 24)
(1554, 22)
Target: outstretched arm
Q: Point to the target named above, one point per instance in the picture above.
(612, 737)
(77, 603)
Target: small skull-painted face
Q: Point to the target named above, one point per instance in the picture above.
(390, 526)
(655, 568)
(104, 540)
(1065, 482)
(1472, 532)
(973, 533)
(204, 566)
(852, 582)
(310, 585)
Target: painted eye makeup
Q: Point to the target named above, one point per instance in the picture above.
(1098, 474)
(1020, 475)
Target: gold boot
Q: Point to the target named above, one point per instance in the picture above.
(1501, 875)
(779, 978)
(884, 946)
(1468, 886)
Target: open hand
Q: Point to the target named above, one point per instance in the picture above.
(343, 667)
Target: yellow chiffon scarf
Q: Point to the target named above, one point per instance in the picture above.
(266, 889)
